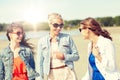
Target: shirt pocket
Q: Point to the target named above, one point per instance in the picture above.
(65, 48)
(45, 50)
(7, 60)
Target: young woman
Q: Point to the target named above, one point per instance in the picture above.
(101, 52)
(16, 60)
(57, 52)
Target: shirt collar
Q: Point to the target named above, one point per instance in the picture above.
(22, 48)
(58, 37)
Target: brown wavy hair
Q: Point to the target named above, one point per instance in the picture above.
(95, 27)
(24, 41)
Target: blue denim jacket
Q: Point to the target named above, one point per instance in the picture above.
(66, 46)
(6, 63)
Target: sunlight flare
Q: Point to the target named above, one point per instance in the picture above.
(33, 16)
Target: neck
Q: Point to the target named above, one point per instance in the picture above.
(53, 35)
(94, 39)
(14, 45)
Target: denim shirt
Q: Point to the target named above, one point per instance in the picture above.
(6, 63)
(65, 45)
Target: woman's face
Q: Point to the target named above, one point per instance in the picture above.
(84, 31)
(16, 35)
(56, 26)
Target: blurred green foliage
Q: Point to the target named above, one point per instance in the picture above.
(68, 24)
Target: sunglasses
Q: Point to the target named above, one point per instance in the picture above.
(18, 33)
(56, 25)
(80, 29)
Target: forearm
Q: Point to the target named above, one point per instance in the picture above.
(98, 57)
(71, 57)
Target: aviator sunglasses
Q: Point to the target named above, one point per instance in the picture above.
(56, 25)
(18, 33)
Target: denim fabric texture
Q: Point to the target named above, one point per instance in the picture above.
(6, 63)
(65, 45)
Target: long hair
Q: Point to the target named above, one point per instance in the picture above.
(95, 27)
(24, 41)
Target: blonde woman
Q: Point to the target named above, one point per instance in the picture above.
(57, 52)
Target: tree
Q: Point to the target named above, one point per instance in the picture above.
(106, 21)
(117, 20)
(3, 26)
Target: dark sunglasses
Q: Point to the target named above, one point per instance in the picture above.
(80, 29)
(18, 33)
(56, 25)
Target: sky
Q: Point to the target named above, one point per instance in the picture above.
(38, 10)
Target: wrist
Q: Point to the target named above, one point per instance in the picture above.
(97, 55)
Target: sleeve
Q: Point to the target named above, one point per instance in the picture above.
(1, 68)
(108, 67)
(86, 77)
(73, 55)
(39, 59)
(88, 74)
(110, 51)
(31, 61)
(108, 58)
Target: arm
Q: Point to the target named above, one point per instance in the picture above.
(110, 54)
(31, 61)
(107, 57)
(73, 55)
(39, 59)
(96, 53)
(1, 68)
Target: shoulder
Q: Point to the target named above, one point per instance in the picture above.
(43, 38)
(25, 48)
(64, 36)
(5, 50)
(104, 41)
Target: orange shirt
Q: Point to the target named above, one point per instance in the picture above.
(19, 69)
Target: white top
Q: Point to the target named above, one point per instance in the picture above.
(108, 66)
(54, 61)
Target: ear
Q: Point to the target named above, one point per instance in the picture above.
(9, 34)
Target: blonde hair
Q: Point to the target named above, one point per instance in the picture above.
(54, 16)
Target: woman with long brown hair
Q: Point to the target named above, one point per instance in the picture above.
(101, 51)
(16, 60)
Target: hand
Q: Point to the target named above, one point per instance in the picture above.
(59, 55)
(95, 51)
